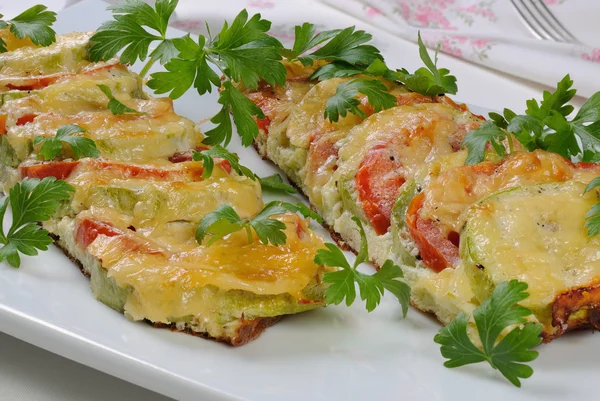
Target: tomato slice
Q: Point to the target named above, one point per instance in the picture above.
(3, 118)
(378, 179)
(436, 251)
(87, 231)
(263, 124)
(132, 171)
(26, 119)
(181, 157)
(60, 170)
(35, 83)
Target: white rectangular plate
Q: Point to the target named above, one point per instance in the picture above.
(336, 353)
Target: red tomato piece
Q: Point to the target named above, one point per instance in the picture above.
(26, 119)
(88, 230)
(436, 251)
(263, 124)
(3, 123)
(378, 179)
(60, 170)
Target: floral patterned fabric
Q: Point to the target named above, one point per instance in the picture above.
(489, 32)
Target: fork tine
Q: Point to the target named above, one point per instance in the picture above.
(554, 22)
(539, 18)
(526, 17)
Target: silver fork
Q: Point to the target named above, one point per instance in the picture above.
(541, 22)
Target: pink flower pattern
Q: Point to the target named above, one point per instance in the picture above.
(593, 56)
(372, 11)
(425, 14)
(481, 10)
(261, 4)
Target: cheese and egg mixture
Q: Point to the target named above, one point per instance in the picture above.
(131, 222)
(401, 171)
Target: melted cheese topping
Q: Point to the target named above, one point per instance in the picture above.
(307, 120)
(535, 234)
(75, 94)
(137, 138)
(154, 203)
(67, 55)
(166, 284)
(455, 190)
(419, 134)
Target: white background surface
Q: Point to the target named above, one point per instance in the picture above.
(337, 353)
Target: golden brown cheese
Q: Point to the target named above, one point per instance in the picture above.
(455, 190)
(536, 234)
(27, 67)
(153, 203)
(158, 134)
(166, 283)
(75, 94)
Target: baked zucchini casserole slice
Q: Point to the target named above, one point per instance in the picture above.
(131, 221)
(402, 172)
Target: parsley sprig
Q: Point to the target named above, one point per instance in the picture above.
(242, 52)
(345, 101)
(224, 220)
(34, 23)
(128, 33)
(347, 47)
(507, 354)
(342, 282)
(592, 217)
(429, 81)
(545, 125)
(80, 145)
(273, 182)
(115, 106)
(31, 201)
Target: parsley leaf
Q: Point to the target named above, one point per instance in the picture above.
(592, 217)
(345, 101)
(242, 51)
(34, 23)
(306, 38)
(303, 210)
(492, 317)
(217, 151)
(127, 32)
(337, 69)
(371, 287)
(476, 141)
(545, 125)
(347, 45)
(80, 145)
(114, 105)
(245, 53)
(243, 110)
(189, 67)
(428, 81)
(224, 220)
(275, 183)
(31, 201)
(555, 101)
